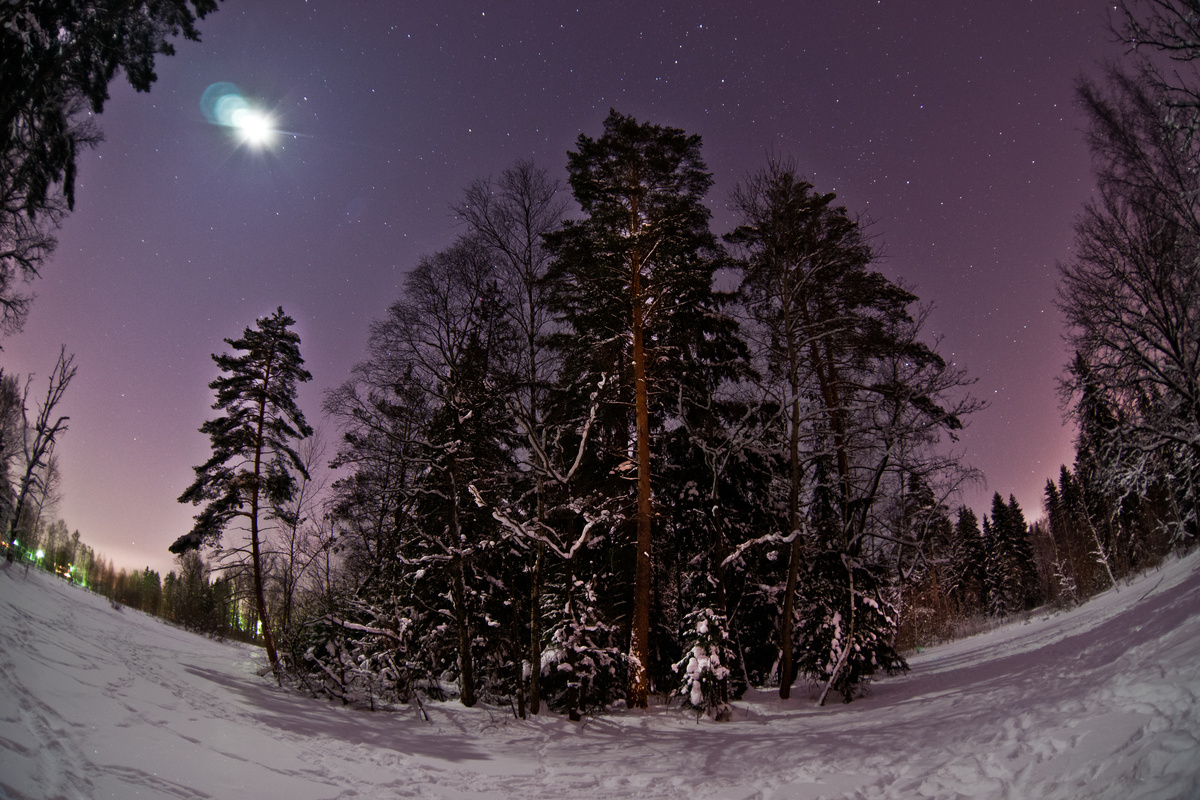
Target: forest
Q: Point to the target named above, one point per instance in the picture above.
(574, 472)
(597, 454)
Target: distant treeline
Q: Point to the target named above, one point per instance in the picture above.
(191, 597)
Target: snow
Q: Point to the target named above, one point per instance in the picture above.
(1100, 702)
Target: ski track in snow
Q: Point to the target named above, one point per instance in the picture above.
(1100, 702)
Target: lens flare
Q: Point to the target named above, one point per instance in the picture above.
(224, 104)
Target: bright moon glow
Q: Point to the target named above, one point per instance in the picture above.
(254, 126)
(223, 104)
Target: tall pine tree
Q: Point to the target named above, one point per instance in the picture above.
(254, 462)
(633, 281)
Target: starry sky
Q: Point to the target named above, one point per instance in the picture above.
(952, 126)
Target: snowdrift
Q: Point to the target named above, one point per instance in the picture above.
(1101, 702)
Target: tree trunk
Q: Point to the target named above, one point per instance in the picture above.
(787, 672)
(823, 364)
(639, 651)
(256, 560)
(848, 642)
(458, 591)
(787, 669)
(260, 601)
(466, 664)
(535, 634)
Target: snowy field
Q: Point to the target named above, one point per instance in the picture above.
(1097, 703)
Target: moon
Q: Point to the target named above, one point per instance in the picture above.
(254, 127)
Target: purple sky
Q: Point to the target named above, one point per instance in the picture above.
(951, 125)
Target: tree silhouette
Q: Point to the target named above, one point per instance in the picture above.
(253, 464)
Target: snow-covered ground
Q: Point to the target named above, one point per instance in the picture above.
(1100, 702)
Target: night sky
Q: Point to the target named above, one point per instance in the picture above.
(951, 125)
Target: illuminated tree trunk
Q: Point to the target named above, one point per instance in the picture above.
(633, 280)
(639, 650)
(260, 599)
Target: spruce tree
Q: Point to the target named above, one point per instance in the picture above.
(1023, 554)
(995, 568)
(581, 662)
(968, 577)
(705, 669)
(1012, 571)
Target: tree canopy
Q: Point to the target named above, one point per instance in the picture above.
(57, 59)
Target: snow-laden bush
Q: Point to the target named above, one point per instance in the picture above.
(582, 666)
(704, 670)
(358, 657)
(840, 645)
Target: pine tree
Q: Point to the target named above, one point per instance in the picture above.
(254, 461)
(633, 281)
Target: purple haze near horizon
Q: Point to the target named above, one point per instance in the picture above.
(951, 126)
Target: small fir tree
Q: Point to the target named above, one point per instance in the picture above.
(582, 666)
(705, 669)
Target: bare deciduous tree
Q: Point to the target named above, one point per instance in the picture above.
(38, 439)
(511, 217)
(1131, 297)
